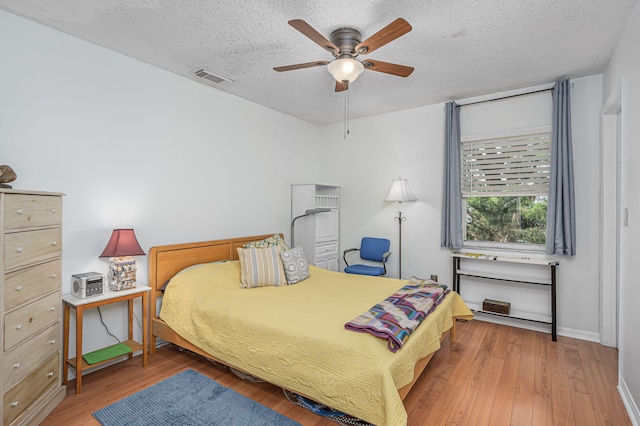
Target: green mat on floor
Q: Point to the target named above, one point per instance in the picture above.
(106, 353)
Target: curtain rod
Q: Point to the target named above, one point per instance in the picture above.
(510, 96)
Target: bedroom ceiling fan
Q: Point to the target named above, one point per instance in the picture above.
(345, 45)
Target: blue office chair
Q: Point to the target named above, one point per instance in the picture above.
(372, 249)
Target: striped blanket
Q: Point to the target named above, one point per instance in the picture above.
(396, 317)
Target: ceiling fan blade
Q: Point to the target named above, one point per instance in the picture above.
(314, 35)
(397, 28)
(341, 87)
(388, 68)
(300, 66)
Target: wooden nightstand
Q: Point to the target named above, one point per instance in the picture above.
(92, 302)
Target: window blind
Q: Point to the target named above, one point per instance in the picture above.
(512, 166)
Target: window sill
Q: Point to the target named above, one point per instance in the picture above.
(488, 247)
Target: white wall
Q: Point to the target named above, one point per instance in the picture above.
(410, 144)
(132, 145)
(624, 70)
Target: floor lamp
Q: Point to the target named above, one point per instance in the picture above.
(400, 192)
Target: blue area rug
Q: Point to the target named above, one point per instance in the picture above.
(189, 398)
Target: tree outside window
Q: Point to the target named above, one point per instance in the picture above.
(507, 219)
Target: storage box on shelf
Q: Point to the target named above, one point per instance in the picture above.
(30, 314)
(496, 306)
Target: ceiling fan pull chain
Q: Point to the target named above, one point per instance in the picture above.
(346, 111)
(345, 114)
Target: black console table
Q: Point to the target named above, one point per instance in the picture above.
(553, 265)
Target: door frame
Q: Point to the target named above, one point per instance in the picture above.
(611, 228)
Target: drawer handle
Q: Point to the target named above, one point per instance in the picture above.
(53, 308)
(15, 403)
(19, 327)
(54, 243)
(19, 288)
(16, 365)
(19, 211)
(50, 374)
(54, 275)
(19, 249)
(53, 210)
(52, 341)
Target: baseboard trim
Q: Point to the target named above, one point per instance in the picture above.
(579, 334)
(629, 403)
(527, 325)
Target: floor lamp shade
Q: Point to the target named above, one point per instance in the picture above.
(400, 192)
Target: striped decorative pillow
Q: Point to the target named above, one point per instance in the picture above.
(261, 267)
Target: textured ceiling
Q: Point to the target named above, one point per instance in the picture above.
(459, 48)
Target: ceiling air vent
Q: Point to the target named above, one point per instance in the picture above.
(216, 78)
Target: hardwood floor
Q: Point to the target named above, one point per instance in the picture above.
(493, 375)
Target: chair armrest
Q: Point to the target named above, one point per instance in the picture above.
(385, 256)
(344, 254)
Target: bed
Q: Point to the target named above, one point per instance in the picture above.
(293, 336)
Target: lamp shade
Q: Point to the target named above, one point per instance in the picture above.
(346, 69)
(123, 242)
(400, 191)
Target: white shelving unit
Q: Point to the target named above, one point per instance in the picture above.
(317, 233)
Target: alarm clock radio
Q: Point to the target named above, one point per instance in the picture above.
(87, 284)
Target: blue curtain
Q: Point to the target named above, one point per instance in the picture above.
(451, 235)
(561, 214)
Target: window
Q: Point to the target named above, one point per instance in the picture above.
(505, 183)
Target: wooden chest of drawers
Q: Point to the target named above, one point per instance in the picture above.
(30, 305)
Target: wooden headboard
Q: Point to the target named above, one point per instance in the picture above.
(166, 261)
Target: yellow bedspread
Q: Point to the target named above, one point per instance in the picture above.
(294, 336)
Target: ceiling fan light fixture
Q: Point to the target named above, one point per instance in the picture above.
(345, 69)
